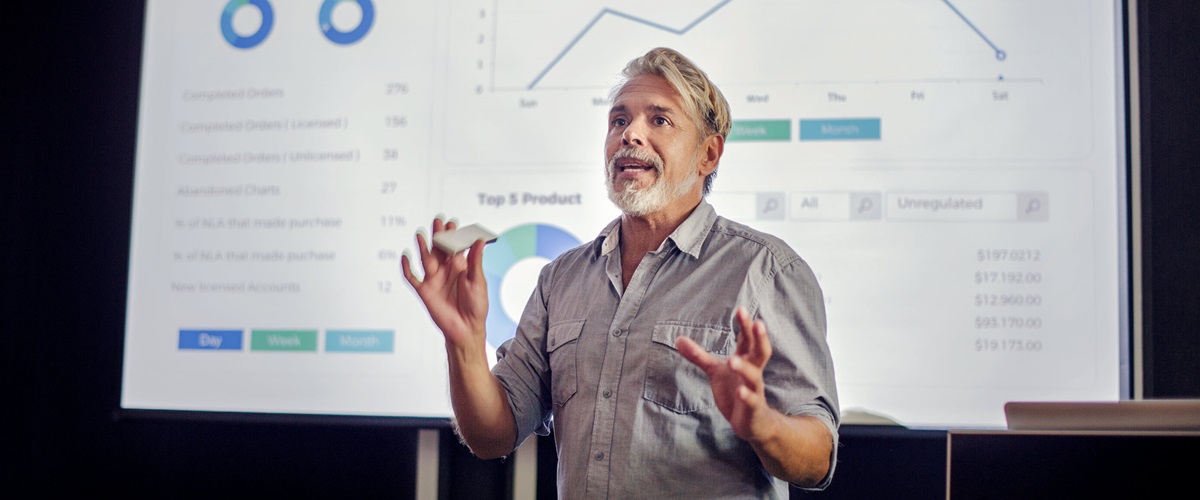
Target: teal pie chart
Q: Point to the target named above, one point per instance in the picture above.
(513, 246)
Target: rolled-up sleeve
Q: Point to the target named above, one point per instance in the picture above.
(799, 376)
(523, 368)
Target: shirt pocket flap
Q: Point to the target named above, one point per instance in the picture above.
(562, 334)
(713, 338)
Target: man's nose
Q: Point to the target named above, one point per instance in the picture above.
(634, 134)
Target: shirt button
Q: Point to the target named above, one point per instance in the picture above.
(616, 333)
(607, 394)
(599, 456)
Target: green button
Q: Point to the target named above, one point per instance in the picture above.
(761, 130)
(283, 340)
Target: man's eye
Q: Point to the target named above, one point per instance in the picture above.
(658, 120)
(618, 122)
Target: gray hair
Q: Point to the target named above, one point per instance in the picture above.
(702, 100)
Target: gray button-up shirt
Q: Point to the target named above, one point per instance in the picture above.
(632, 418)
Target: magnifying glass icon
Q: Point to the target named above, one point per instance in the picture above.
(770, 206)
(1033, 206)
(865, 205)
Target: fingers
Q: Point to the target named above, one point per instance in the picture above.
(429, 261)
(458, 261)
(762, 345)
(475, 261)
(748, 372)
(440, 223)
(695, 354)
(437, 227)
(743, 370)
(747, 341)
(406, 268)
(751, 399)
(752, 341)
(743, 323)
(431, 257)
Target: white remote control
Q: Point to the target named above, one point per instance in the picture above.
(459, 239)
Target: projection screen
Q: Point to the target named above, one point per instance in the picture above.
(954, 171)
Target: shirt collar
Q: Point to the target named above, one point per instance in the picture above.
(688, 237)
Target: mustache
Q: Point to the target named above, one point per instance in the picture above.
(636, 154)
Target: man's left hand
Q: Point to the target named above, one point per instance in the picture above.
(796, 448)
(737, 381)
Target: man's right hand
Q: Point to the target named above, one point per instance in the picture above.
(453, 290)
(455, 294)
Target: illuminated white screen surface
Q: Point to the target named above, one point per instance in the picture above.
(952, 171)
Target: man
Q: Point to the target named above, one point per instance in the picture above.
(640, 347)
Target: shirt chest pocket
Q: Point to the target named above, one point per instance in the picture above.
(674, 382)
(562, 345)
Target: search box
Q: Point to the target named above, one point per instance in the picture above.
(753, 205)
(835, 205)
(925, 206)
(738, 205)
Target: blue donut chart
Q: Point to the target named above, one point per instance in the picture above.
(246, 42)
(515, 245)
(325, 21)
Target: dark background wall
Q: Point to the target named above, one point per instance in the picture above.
(1170, 78)
(70, 88)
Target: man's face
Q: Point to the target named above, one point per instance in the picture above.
(654, 153)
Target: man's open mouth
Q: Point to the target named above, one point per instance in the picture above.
(632, 164)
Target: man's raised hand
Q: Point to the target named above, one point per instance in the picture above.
(737, 381)
(452, 288)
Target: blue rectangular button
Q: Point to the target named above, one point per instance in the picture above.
(215, 340)
(359, 341)
(840, 129)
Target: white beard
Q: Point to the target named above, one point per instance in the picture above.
(645, 201)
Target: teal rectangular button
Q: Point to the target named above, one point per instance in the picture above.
(840, 129)
(761, 130)
(359, 341)
(283, 340)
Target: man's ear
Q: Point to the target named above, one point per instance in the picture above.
(714, 147)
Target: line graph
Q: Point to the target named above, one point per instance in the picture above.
(1001, 55)
(630, 17)
(946, 77)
